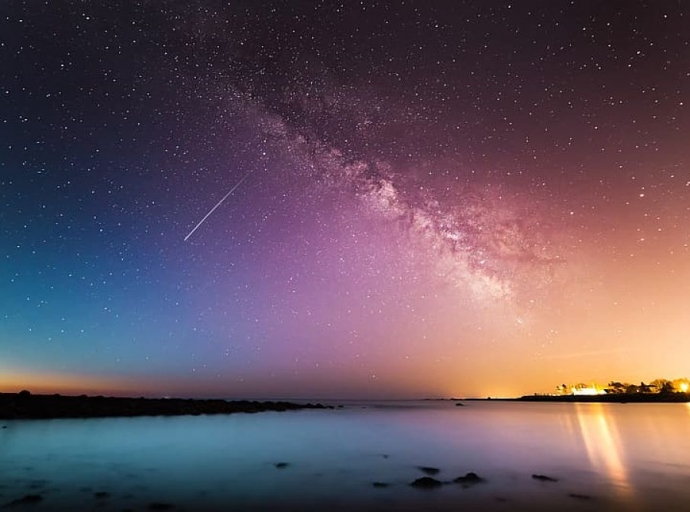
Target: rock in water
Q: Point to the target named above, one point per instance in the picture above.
(29, 498)
(426, 482)
(469, 478)
(544, 478)
(580, 496)
(429, 470)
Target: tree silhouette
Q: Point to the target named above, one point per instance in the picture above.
(617, 387)
(667, 388)
(631, 389)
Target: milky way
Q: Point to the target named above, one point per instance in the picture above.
(477, 241)
(311, 199)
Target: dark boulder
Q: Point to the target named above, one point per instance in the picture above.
(429, 470)
(469, 478)
(544, 478)
(26, 500)
(426, 482)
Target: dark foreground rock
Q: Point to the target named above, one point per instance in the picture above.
(468, 479)
(29, 406)
(426, 482)
(544, 478)
(26, 500)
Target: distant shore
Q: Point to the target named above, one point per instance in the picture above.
(668, 398)
(611, 398)
(25, 405)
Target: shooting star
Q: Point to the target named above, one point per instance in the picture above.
(216, 206)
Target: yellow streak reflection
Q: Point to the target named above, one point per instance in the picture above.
(603, 446)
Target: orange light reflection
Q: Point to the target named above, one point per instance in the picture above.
(603, 446)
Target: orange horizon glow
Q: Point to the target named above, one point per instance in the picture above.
(386, 387)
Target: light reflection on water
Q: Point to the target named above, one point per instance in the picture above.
(610, 456)
(603, 445)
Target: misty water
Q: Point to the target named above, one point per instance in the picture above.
(605, 457)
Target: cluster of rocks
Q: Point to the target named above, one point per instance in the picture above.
(467, 480)
(428, 482)
(30, 499)
(101, 498)
(425, 482)
(24, 405)
(25, 500)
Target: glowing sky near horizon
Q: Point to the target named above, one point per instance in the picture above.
(432, 198)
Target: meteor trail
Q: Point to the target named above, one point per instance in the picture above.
(217, 205)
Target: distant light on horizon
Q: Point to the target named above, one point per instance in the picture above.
(588, 391)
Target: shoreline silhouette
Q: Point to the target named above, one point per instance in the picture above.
(25, 405)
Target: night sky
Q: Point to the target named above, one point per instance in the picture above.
(429, 198)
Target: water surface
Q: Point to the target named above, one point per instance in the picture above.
(605, 456)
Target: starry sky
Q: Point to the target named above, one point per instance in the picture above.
(412, 198)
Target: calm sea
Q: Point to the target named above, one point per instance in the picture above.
(605, 457)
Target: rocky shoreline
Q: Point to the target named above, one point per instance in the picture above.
(24, 405)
